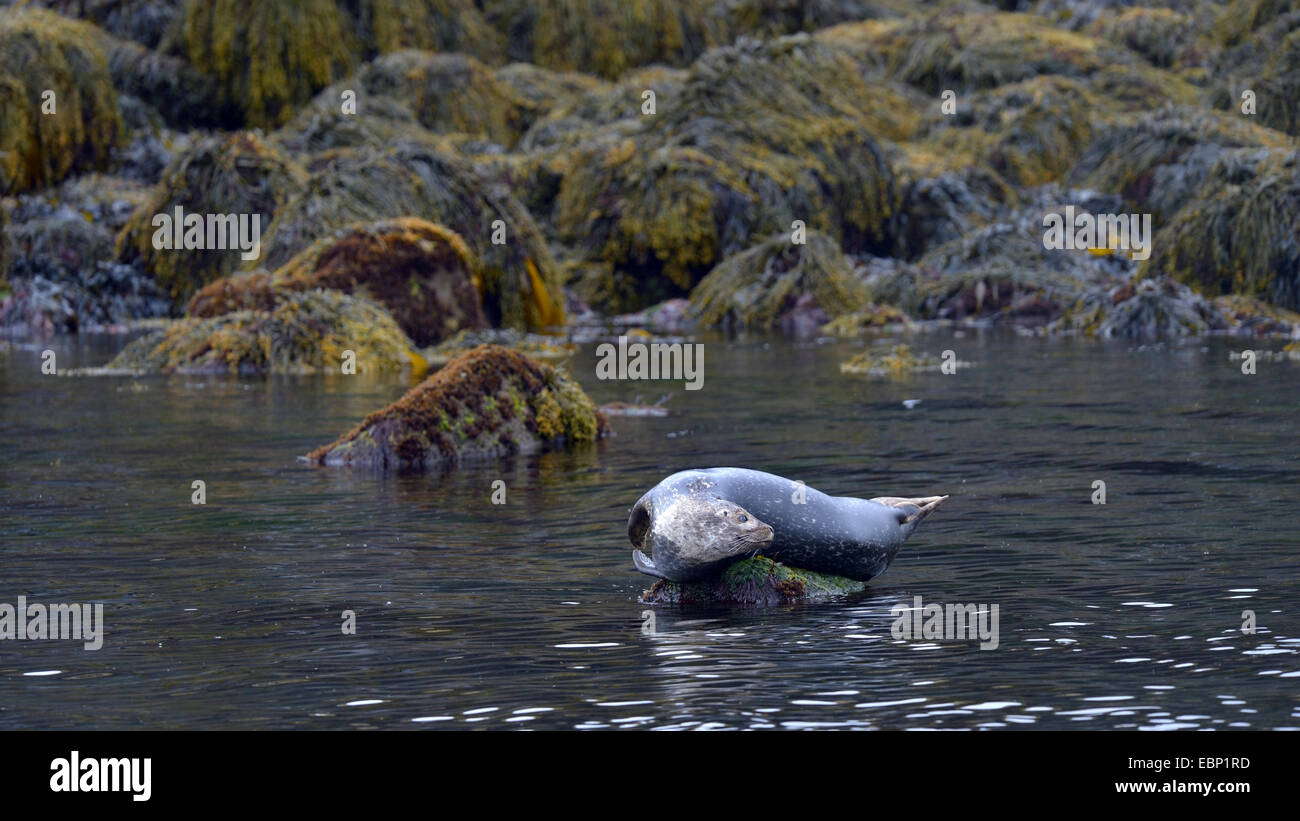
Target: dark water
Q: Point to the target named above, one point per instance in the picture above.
(469, 614)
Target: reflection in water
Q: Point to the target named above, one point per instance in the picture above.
(469, 614)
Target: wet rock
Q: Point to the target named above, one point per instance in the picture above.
(487, 403)
(755, 581)
(778, 282)
(668, 317)
(305, 332)
(535, 346)
(41, 51)
(1143, 310)
(875, 318)
(1262, 54)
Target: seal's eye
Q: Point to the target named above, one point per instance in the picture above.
(742, 518)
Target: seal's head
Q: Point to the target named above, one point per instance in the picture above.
(695, 536)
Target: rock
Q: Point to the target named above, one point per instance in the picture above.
(877, 317)
(535, 346)
(487, 403)
(518, 277)
(302, 333)
(755, 581)
(39, 52)
(1143, 310)
(1262, 54)
(424, 274)
(1238, 234)
(239, 173)
(761, 286)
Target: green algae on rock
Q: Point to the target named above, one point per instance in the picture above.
(754, 288)
(238, 173)
(535, 346)
(44, 139)
(303, 333)
(518, 277)
(755, 581)
(486, 403)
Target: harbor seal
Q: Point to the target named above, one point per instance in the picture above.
(841, 535)
(693, 536)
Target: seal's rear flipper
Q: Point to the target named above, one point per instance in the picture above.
(915, 508)
(645, 565)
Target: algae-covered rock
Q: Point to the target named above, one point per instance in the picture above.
(534, 346)
(239, 173)
(755, 581)
(894, 361)
(757, 287)
(763, 134)
(519, 279)
(1157, 161)
(302, 333)
(607, 37)
(1262, 56)
(874, 318)
(1048, 121)
(486, 403)
(1145, 309)
(422, 273)
(1238, 235)
(45, 138)
(1164, 36)
(430, 25)
(266, 58)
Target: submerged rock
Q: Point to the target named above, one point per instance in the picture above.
(43, 52)
(755, 581)
(302, 333)
(760, 287)
(894, 361)
(486, 403)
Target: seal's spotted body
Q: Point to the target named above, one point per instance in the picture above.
(841, 535)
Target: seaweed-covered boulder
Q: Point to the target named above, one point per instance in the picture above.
(755, 581)
(305, 332)
(422, 273)
(142, 21)
(239, 173)
(534, 346)
(1003, 272)
(1164, 36)
(762, 134)
(1262, 55)
(266, 58)
(874, 318)
(487, 403)
(1047, 122)
(758, 287)
(519, 279)
(1239, 234)
(430, 25)
(1157, 161)
(42, 52)
(1142, 310)
(607, 37)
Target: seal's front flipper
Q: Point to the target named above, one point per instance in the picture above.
(645, 565)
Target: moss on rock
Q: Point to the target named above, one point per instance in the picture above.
(754, 288)
(755, 581)
(486, 403)
(39, 52)
(239, 173)
(302, 333)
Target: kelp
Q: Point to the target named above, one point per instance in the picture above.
(486, 403)
(42, 52)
